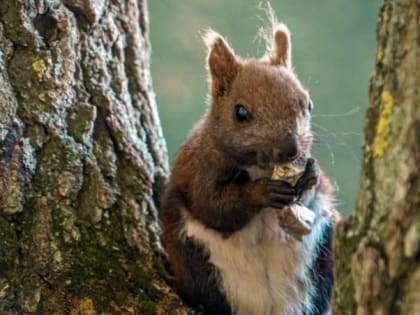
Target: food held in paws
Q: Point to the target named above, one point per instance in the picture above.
(296, 219)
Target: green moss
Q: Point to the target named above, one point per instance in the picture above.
(345, 246)
(147, 308)
(130, 179)
(64, 225)
(57, 156)
(160, 267)
(113, 272)
(8, 248)
(130, 226)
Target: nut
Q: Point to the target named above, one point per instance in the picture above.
(289, 173)
(296, 219)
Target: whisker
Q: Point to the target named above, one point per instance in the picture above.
(332, 156)
(345, 134)
(349, 113)
(338, 140)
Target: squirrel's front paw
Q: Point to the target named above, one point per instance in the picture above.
(275, 193)
(309, 178)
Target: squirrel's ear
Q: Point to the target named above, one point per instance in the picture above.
(222, 63)
(282, 54)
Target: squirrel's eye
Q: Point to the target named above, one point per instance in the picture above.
(310, 105)
(241, 113)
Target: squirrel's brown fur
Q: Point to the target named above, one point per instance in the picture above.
(214, 184)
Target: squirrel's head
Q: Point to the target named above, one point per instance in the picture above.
(259, 112)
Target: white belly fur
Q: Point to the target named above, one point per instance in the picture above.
(264, 271)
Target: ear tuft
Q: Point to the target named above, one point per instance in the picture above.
(277, 39)
(222, 62)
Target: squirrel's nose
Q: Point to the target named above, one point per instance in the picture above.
(289, 153)
(288, 150)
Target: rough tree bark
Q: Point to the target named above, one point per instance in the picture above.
(81, 161)
(378, 250)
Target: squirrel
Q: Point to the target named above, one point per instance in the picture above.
(225, 248)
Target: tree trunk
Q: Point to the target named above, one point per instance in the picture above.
(81, 161)
(378, 250)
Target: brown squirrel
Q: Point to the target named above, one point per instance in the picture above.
(226, 250)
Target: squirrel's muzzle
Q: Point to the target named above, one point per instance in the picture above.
(287, 150)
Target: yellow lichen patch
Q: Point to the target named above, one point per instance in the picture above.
(385, 16)
(383, 126)
(379, 54)
(407, 46)
(42, 97)
(39, 67)
(84, 307)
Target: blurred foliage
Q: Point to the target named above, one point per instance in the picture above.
(333, 55)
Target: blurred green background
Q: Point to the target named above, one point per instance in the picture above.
(333, 55)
